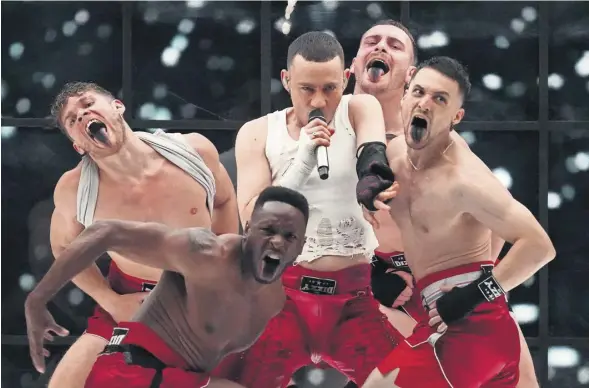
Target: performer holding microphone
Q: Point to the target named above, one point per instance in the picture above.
(330, 314)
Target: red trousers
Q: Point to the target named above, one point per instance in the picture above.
(481, 350)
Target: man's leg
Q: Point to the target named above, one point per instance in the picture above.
(527, 373)
(75, 366)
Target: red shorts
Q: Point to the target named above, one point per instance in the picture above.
(481, 350)
(101, 323)
(115, 370)
(328, 316)
(413, 307)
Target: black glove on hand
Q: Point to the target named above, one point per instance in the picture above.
(378, 178)
(386, 286)
(461, 301)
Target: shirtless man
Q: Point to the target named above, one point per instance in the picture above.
(447, 206)
(126, 175)
(215, 296)
(383, 66)
(329, 314)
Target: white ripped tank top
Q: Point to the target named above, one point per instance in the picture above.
(336, 226)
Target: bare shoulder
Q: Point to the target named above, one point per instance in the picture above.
(203, 146)
(203, 240)
(252, 135)
(459, 140)
(360, 101)
(396, 147)
(472, 179)
(66, 189)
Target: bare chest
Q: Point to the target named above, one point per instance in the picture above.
(170, 197)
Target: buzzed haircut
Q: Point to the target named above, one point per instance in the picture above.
(73, 89)
(284, 195)
(451, 68)
(315, 46)
(399, 25)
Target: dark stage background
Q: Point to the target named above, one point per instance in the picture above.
(209, 66)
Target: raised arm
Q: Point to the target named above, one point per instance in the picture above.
(225, 218)
(65, 228)
(253, 170)
(151, 244)
(483, 196)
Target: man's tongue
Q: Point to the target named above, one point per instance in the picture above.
(374, 73)
(98, 132)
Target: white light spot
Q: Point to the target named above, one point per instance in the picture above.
(554, 200)
(23, 105)
(562, 357)
(48, 80)
(516, 89)
(245, 26)
(50, 35)
(582, 161)
(583, 375)
(26, 282)
(504, 177)
(179, 42)
(529, 14)
(374, 10)
(275, 86)
(41, 252)
(501, 42)
(75, 296)
(104, 31)
(163, 113)
(529, 282)
(330, 5)
(551, 373)
(188, 111)
(570, 165)
(526, 313)
(492, 81)
(147, 111)
(185, 26)
(151, 15)
(82, 16)
(568, 192)
(195, 4)
(286, 28)
(582, 65)
(469, 137)
(555, 81)
(518, 25)
(16, 50)
(8, 132)
(330, 33)
(439, 39)
(69, 28)
(213, 62)
(170, 56)
(85, 49)
(316, 376)
(226, 63)
(160, 91)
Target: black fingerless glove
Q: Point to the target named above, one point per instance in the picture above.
(374, 173)
(461, 301)
(386, 286)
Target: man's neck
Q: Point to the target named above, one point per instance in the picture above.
(390, 101)
(428, 156)
(129, 163)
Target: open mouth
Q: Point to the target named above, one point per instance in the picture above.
(97, 131)
(377, 68)
(271, 264)
(418, 128)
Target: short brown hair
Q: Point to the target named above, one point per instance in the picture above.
(72, 89)
(400, 26)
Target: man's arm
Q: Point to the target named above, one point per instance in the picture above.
(151, 244)
(253, 170)
(367, 119)
(225, 217)
(65, 228)
(483, 196)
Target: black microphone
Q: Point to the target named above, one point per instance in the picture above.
(322, 158)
